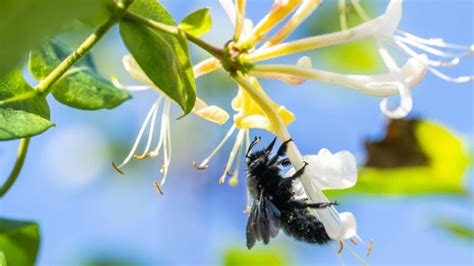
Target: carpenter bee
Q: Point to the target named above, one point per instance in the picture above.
(274, 205)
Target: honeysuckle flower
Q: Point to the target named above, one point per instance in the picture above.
(208, 112)
(382, 29)
(331, 171)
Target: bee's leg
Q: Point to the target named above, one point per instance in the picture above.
(281, 152)
(296, 175)
(320, 205)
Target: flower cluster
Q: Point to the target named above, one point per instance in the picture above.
(255, 110)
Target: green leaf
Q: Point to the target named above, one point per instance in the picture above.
(19, 241)
(164, 58)
(197, 23)
(25, 24)
(443, 173)
(15, 124)
(23, 118)
(81, 87)
(3, 259)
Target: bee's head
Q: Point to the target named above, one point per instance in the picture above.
(258, 159)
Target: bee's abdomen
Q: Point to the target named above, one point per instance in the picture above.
(303, 226)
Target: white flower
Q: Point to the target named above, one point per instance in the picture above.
(331, 171)
(211, 113)
(382, 29)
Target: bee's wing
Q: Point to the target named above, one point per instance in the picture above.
(264, 221)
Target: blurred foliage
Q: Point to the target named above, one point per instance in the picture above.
(81, 87)
(457, 229)
(356, 57)
(19, 241)
(3, 259)
(23, 118)
(239, 257)
(25, 24)
(442, 173)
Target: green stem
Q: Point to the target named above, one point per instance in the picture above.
(45, 86)
(20, 159)
(174, 30)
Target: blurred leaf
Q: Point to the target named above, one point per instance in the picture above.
(197, 23)
(457, 229)
(81, 87)
(3, 259)
(164, 58)
(238, 257)
(356, 57)
(16, 124)
(25, 24)
(443, 173)
(22, 118)
(19, 241)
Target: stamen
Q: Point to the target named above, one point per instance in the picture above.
(164, 118)
(119, 85)
(139, 137)
(369, 250)
(424, 59)
(117, 168)
(158, 188)
(145, 155)
(342, 14)
(203, 165)
(167, 146)
(360, 10)
(341, 247)
(432, 50)
(235, 175)
(235, 149)
(247, 203)
(357, 256)
(353, 241)
(337, 254)
(438, 42)
(462, 79)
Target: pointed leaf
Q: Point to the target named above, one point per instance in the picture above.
(197, 23)
(164, 58)
(82, 87)
(19, 242)
(15, 124)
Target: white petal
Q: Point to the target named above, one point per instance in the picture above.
(332, 171)
(338, 228)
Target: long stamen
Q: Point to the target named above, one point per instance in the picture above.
(432, 50)
(150, 133)
(436, 42)
(426, 60)
(360, 10)
(167, 144)
(157, 149)
(462, 79)
(203, 165)
(119, 85)
(357, 256)
(233, 153)
(137, 140)
(342, 14)
(233, 181)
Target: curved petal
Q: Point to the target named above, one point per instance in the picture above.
(332, 171)
(341, 227)
(211, 113)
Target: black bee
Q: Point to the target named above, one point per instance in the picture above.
(274, 205)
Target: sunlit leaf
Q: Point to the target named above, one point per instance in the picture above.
(25, 24)
(356, 57)
(164, 58)
(81, 87)
(19, 241)
(24, 118)
(197, 23)
(457, 229)
(3, 259)
(237, 257)
(444, 171)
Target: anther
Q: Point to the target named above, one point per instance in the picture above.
(117, 168)
(142, 157)
(341, 247)
(158, 188)
(369, 250)
(353, 241)
(200, 166)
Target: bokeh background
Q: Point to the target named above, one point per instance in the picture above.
(89, 214)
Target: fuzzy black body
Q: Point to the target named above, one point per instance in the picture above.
(274, 205)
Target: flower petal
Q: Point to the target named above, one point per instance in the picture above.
(332, 171)
(211, 113)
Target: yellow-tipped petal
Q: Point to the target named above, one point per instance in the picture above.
(252, 116)
(211, 113)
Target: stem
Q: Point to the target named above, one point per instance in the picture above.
(174, 30)
(20, 159)
(45, 86)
